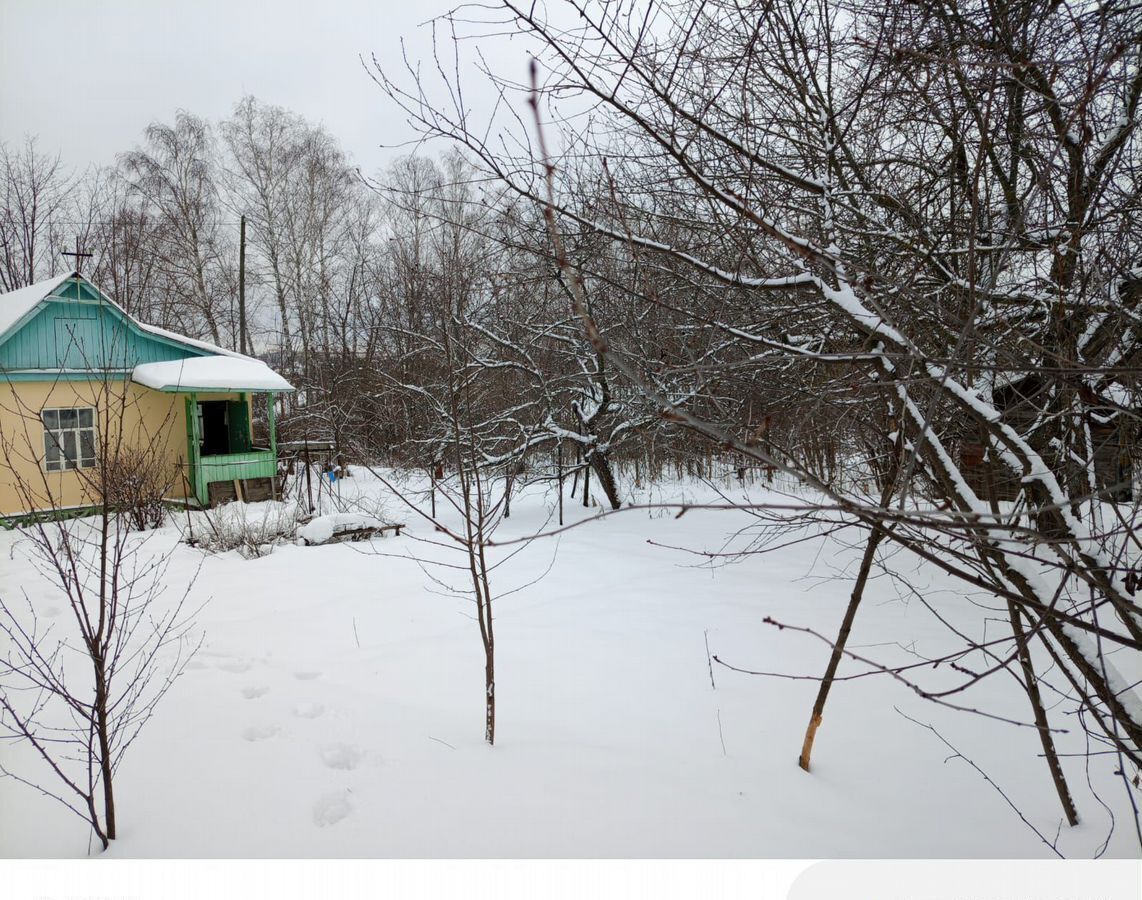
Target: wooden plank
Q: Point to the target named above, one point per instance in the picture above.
(257, 490)
(352, 535)
(221, 492)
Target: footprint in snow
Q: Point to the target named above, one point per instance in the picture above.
(259, 732)
(331, 809)
(51, 612)
(341, 756)
(254, 691)
(196, 665)
(308, 710)
(306, 676)
(236, 666)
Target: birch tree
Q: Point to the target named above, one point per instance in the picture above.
(175, 174)
(33, 197)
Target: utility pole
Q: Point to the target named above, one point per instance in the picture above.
(243, 339)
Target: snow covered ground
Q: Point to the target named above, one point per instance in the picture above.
(336, 709)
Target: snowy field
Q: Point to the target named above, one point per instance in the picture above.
(336, 709)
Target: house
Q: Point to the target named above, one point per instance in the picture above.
(80, 378)
(1111, 423)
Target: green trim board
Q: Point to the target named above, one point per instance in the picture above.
(48, 514)
(192, 453)
(64, 374)
(199, 389)
(271, 422)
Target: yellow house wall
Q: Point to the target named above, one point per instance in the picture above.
(128, 415)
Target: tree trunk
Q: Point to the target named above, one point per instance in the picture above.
(602, 467)
(559, 470)
(489, 691)
(1032, 688)
(102, 733)
(874, 540)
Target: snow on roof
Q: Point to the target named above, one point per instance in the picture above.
(18, 303)
(193, 342)
(210, 373)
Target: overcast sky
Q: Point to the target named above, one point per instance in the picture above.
(87, 77)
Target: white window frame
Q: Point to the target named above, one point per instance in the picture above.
(64, 437)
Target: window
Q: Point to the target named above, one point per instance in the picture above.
(69, 438)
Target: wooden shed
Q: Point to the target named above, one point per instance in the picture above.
(1113, 431)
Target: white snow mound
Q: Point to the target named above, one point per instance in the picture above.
(323, 528)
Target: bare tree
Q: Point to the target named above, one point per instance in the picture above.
(923, 210)
(305, 207)
(78, 691)
(175, 175)
(34, 189)
(124, 233)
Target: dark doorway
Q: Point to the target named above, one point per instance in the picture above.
(215, 435)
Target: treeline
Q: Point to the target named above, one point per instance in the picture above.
(163, 225)
(353, 283)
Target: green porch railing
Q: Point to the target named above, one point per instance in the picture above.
(257, 463)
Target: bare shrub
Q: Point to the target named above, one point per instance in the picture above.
(133, 484)
(250, 528)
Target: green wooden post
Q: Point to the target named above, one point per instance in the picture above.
(273, 444)
(191, 445)
(194, 455)
(273, 425)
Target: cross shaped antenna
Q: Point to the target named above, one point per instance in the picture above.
(78, 256)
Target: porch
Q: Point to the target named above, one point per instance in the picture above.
(223, 461)
(223, 458)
